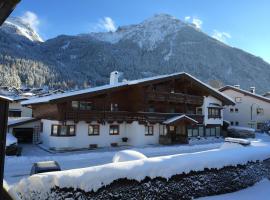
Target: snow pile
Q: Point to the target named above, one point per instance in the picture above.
(93, 178)
(128, 155)
(241, 128)
(237, 140)
(10, 139)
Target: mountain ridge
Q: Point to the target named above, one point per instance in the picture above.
(159, 45)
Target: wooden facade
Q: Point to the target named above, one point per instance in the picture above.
(152, 103)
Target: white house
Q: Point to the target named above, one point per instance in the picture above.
(250, 109)
(166, 109)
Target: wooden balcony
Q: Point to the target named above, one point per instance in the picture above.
(174, 97)
(121, 116)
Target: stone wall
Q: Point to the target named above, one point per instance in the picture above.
(182, 186)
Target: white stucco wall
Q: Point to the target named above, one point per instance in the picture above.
(134, 132)
(243, 116)
(206, 102)
(25, 112)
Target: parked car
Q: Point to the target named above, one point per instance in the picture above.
(46, 166)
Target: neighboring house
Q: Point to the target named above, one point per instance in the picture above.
(250, 109)
(25, 129)
(165, 109)
(17, 110)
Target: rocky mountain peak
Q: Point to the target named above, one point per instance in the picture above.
(17, 26)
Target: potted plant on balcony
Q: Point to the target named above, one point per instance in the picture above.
(124, 139)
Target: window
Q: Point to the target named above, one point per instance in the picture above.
(214, 113)
(260, 111)
(218, 131)
(93, 130)
(149, 130)
(114, 129)
(14, 113)
(236, 123)
(231, 123)
(201, 131)
(81, 105)
(151, 109)
(114, 107)
(172, 110)
(231, 109)
(207, 132)
(213, 131)
(238, 99)
(55, 130)
(84, 105)
(162, 130)
(62, 130)
(171, 128)
(236, 110)
(195, 131)
(75, 104)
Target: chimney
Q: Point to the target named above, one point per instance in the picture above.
(237, 86)
(252, 90)
(114, 77)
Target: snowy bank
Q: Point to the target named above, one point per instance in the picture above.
(93, 178)
(11, 139)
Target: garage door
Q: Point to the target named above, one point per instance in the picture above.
(24, 135)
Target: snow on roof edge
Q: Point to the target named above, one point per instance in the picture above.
(170, 120)
(245, 91)
(47, 99)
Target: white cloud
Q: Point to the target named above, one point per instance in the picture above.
(31, 19)
(195, 21)
(221, 36)
(106, 24)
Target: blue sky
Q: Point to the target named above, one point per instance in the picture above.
(243, 24)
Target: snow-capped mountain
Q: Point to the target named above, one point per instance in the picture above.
(159, 45)
(147, 34)
(19, 27)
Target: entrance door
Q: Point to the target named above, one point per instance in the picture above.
(24, 135)
(172, 133)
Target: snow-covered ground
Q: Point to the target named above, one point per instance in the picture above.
(259, 191)
(17, 168)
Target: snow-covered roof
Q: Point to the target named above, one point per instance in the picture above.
(20, 120)
(5, 98)
(176, 118)
(50, 98)
(257, 96)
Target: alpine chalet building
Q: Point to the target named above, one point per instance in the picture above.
(167, 109)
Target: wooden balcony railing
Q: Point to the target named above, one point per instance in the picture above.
(121, 116)
(175, 97)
